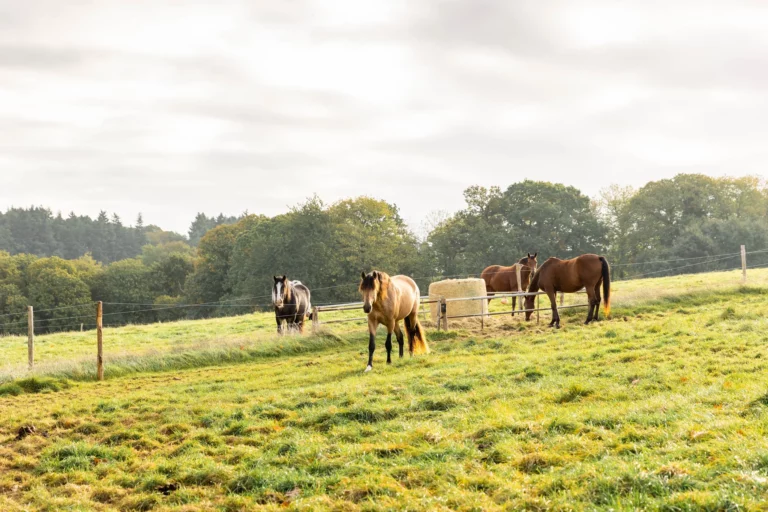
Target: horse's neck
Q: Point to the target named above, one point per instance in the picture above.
(387, 294)
(534, 286)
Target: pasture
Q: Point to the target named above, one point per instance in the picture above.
(663, 407)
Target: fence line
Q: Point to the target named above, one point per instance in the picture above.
(442, 310)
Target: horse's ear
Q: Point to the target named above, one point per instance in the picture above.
(284, 278)
(276, 278)
(535, 254)
(529, 256)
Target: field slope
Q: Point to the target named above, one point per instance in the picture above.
(663, 407)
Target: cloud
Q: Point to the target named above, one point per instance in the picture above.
(172, 108)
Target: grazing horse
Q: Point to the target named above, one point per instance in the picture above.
(291, 301)
(504, 279)
(569, 276)
(387, 300)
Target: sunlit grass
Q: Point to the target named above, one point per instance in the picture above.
(664, 407)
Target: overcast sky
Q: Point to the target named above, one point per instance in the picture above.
(170, 108)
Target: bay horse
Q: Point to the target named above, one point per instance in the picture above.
(569, 276)
(387, 300)
(504, 279)
(292, 303)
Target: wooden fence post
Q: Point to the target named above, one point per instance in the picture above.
(444, 312)
(99, 343)
(436, 305)
(315, 320)
(31, 336)
(743, 264)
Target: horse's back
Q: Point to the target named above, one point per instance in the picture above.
(301, 290)
(489, 272)
(409, 293)
(570, 275)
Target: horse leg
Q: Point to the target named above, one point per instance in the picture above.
(514, 305)
(372, 325)
(553, 302)
(591, 295)
(598, 299)
(300, 325)
(399, 336)
(279, 325)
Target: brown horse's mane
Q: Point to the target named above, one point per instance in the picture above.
(288, 290)
(534, 284)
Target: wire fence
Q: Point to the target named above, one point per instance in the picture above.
(350, 311)
(144, 312)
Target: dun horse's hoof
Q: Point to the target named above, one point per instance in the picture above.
(368, 368)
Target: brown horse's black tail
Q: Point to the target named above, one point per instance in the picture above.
(606, 286)
(417, 340)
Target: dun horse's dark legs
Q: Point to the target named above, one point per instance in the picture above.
(279, 325)
(399, 336)
(371, 348)
(388, 345)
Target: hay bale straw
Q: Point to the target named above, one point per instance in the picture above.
(457, 288)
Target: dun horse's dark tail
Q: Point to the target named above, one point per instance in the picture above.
(417, 340)
(606, 286)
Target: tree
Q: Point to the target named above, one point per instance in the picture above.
(202, 224)
(170, 273)
(58, 294)
(131, 285)
(151, 254)
(552, 219)
(209, 281)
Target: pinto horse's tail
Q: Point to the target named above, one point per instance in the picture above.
(606, 286)
(417, 340)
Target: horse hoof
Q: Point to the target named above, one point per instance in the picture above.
(368, 368)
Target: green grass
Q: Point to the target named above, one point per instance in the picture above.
(663, 407)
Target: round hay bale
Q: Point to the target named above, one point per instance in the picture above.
(457, 288)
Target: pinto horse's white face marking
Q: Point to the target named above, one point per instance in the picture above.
(277, 294)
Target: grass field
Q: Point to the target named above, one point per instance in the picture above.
(664, 407)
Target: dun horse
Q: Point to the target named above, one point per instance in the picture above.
(569, 276)
(504, 279)
(291, 301)
(387, 300)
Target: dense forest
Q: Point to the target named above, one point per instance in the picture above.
(690, 223)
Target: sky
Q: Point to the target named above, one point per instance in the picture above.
(170, 108)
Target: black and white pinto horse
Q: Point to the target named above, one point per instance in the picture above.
(291, 301)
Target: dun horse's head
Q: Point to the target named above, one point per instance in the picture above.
(280, 291)
(370, 287)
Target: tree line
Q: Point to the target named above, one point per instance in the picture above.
(145, 274)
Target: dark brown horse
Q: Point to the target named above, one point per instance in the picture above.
(504, 279)
(387, 300)
(292, 304)
(569, 276)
